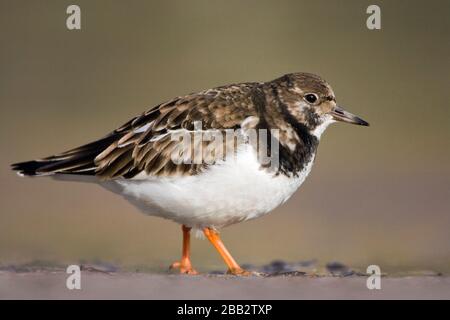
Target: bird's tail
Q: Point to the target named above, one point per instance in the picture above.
(43, 167)
(79, 161)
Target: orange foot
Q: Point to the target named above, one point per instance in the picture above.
(233, 267)
(184, 267)
(239, 272)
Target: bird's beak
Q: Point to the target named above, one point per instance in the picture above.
(340, 114)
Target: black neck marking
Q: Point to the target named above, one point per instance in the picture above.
(294, 161)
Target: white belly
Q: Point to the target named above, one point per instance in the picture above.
(226, 193)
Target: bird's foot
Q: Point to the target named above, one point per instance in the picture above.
(239, 272)
(183, 267)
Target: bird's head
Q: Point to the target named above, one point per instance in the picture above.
(310, 100)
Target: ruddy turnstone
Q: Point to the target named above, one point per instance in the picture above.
(141, 159)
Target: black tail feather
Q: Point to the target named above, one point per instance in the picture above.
(28, 168)
(80, 161)
(44, 167)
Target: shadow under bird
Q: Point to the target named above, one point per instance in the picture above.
(136, 160)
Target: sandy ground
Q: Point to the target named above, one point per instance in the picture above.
(95, 285)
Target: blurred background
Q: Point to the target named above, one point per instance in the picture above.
(377, 195)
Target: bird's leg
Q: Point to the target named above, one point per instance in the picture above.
(184, 265)
(233, 267)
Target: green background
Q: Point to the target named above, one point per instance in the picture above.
(377, 195)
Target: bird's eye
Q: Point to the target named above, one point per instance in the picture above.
(311, 97)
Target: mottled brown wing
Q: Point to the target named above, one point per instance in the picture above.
(146, 142)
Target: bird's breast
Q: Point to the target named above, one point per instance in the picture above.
(236, 190)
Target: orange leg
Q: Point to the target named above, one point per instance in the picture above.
(233, 267)
(184, 265)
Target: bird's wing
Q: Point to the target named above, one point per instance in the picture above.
(144, 143)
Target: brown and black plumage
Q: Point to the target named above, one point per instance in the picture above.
(127, 150)
(137, 159)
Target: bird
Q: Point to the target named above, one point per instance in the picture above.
(207, 191)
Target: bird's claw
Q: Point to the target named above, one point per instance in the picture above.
(239, 272)
(183, 267)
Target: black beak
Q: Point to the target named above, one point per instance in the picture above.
(340, 114)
